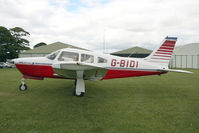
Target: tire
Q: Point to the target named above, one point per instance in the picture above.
(75, 83)
(81, 94)
(74, 92)
(23, 87)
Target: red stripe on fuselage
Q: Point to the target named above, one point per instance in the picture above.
(36, 70)
(111, 74)
(47, 71)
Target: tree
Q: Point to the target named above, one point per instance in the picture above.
(7, 44)
(40, 44)
(5, 36)
(12, 42)
(20, 34)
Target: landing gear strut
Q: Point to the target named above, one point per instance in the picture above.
(79, 85)
(23, 86)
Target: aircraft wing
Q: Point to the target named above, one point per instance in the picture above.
(174, 70)
(68, 70)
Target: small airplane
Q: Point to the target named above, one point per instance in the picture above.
(83, 65)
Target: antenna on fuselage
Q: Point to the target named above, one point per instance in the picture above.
(104, 42)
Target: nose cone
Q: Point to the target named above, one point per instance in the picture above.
(13, 61)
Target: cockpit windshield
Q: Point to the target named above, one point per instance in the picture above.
(52, 56)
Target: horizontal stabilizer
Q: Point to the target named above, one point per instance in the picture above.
(174, 70)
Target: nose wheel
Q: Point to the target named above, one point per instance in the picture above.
(23, 86)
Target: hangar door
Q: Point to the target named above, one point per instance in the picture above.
(184, 61)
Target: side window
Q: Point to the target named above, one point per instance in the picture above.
(68, 56)
(87, 58)
(53, 55)
(101, 60)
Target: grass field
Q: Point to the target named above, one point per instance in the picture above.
(151, 104)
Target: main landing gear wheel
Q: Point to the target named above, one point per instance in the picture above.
(79, 89)
(23, 87)
(80, 94)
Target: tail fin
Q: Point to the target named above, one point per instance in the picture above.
(163, 53)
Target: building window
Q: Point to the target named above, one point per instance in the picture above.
(87, 58)
(68, 56)
(102, 60)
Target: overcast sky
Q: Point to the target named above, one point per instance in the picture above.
(123, 23)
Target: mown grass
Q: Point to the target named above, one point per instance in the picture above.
(160, 104)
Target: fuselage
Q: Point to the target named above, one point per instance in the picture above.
(113, 66)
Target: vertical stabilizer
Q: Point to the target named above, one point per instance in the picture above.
(163, 53)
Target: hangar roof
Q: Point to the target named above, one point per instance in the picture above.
(188, 49)
(46, 49)
(134, 50)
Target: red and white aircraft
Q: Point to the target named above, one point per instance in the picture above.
(83, 65)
